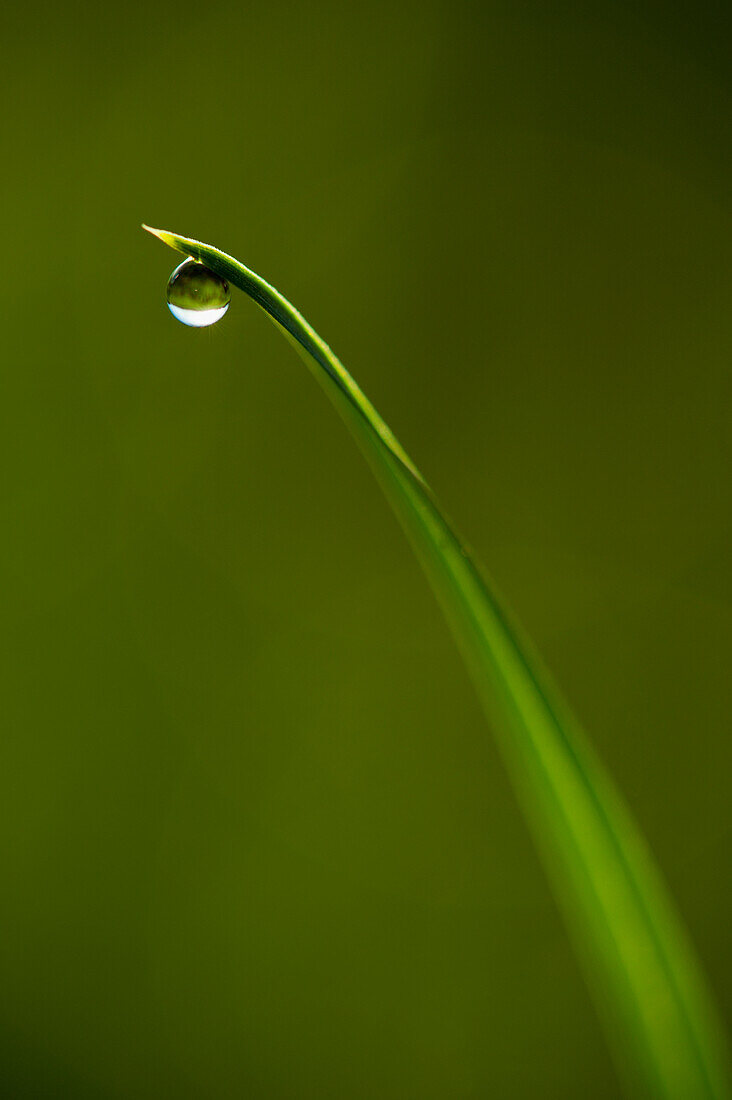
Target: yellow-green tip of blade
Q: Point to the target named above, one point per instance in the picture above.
(167, 238)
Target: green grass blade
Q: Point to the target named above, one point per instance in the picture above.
(641, 969)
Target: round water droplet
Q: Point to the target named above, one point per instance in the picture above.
(196, 296)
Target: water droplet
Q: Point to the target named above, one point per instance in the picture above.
(196, 296)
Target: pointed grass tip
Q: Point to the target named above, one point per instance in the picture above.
(162, 235)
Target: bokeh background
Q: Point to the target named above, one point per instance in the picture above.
(256, 838)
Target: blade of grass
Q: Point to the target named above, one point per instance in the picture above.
(647, 984)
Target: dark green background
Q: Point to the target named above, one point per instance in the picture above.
(256, 838)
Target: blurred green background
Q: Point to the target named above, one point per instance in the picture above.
(257, 840)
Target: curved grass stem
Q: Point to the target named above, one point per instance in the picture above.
(641, 969)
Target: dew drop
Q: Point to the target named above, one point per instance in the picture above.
(197, 296)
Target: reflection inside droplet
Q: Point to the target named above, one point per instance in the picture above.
(197, 296)
(198, 318)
